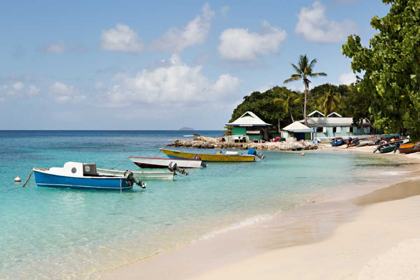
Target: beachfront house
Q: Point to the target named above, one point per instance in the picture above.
(334, 125)
(248, 127)
(298, 130)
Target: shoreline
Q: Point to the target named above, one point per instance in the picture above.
(263, 237)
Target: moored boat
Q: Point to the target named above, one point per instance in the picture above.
(219, 157)
(143, 175)
(337, 141)
(83, 176)
(153, 162)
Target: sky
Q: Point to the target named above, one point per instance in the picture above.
(160, 65)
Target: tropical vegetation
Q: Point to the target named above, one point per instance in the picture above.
(389, 67)
(304, 71)
(387, 91)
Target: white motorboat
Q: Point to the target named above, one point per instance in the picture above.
(154, 162)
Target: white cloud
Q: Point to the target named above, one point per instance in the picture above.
(57, 48)
(239, 44)
(121, 39)
(12, 89)
(347, 78)
(61, 47)
(173, 84)
(18, 89)
(63, 93)
(298, 86)
(315, 27)
(100, 86)
(224, 10)
(33, 90)
(264, 88)
(18, 86)
(194, 33)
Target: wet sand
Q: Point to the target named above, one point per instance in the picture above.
(321, 240)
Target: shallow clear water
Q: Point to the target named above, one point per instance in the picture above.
(63, 233)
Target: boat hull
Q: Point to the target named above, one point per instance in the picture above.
(208, 157)
(409, 148)
(337, 141)
(387, 149)
(144, 162)
(143, 175)
(44, 179)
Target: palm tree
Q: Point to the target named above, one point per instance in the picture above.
(286, 101)
(330, 101)
(303, 72)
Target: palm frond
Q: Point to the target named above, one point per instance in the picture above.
(299, 71)
(312, 64)
(318, 74)
(303, 62)
(292, 79)
(277, 101)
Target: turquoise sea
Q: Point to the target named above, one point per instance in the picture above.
(75, 234)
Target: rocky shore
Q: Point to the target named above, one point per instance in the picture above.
(202, 142)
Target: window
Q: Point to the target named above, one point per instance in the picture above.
(351, 129)
(334, 129)
(74, 170)
(319, 129)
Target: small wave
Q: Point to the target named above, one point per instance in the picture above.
(247, 222)
(395, 173)
(189, 135)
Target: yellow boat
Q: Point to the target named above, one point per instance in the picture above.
(229, 157)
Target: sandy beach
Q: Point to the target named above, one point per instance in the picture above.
(372, 236)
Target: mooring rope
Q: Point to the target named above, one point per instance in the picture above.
(27, 180)
(119, 163)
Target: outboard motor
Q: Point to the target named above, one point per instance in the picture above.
(203, 164)
(174, 168)
(131, 180)
(260, 156)
(254, 153)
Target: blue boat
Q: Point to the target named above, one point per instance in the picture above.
(83, 176)
(337, 141)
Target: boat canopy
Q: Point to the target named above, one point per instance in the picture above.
(75, 169)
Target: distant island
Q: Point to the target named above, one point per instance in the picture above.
(186, 128)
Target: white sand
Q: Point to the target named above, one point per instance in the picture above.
(381, 243)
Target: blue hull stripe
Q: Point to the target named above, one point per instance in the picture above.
(57, 181)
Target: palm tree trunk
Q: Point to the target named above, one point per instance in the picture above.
(304, 105)
(278, 125)
(291, 116)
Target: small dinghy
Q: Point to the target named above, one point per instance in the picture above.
(153, 162)
(337, 141)
(84, 176)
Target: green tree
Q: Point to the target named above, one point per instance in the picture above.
(262, 104)
(391, 67)
(330, 101)
(356, 104)
(304, 72)
(287, 102)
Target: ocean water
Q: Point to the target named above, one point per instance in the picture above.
(76, 234)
